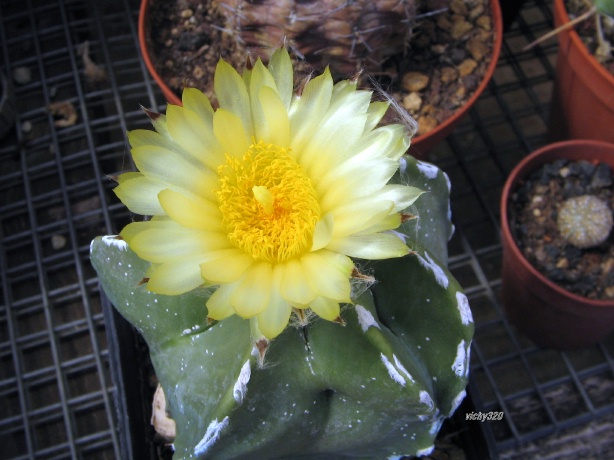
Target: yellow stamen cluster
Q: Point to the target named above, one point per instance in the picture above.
(268, 203)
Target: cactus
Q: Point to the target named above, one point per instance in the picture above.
(348, 35)
(378, 386)
(585, 221)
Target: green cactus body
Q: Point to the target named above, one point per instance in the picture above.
(377, 387)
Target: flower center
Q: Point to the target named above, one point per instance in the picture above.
(268, 204)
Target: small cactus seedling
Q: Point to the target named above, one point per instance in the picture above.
(585, 221)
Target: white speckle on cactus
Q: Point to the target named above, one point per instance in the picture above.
(437, 422)
(310, 366)
(458, 366)
(365, 318)
(212, 435)
(430, 264)
(425, 451)
(115, 241)
(425, 398)
(448, 182)
(240, 389)
(429, 170)
(392, 371)
(402, 165)
(457, 401)
(463, 308)
(399, 235)
(400, 367)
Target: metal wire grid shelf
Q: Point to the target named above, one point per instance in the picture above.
(56, 394)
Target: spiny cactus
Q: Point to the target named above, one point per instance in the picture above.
(377, 387)
(585, 221)
(347, 34)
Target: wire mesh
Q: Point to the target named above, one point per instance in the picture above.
(57, 397)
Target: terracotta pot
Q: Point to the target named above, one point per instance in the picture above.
(543, 311)
(583, 95)
(421, 145)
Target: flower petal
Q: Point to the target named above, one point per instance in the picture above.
(134, 228)
(196, 101)
(306, 111)
(253, 291)
(176, 277)
(190, 212)
(373, 246)
(232, 95)
(159, 245)
(280, 66)
(274, 319)
(273, 125)
(228, 129)
(325, 308)
(376, 112)
(329, 274)
(323, 233)
(402, 195)
(141, 137)
(218, 305)
(194, 135)
(139, 193)
(225, 265)
(295, 286)
(176, 169)
(347, 184)
(357, 215)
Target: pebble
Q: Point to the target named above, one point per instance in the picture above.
(484, 22)
(58, 242)
(448, 74)
(412, 101)
(26, 127)
(426, 123)
(478, 48)
(187, 13)
(22, 75)
(602, 176)
(414, 81)
(467, 67)
(459, 28)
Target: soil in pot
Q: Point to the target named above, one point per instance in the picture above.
(444, 64)
(587, 32)
(534, 208)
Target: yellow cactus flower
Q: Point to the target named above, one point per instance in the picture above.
(269, 196)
